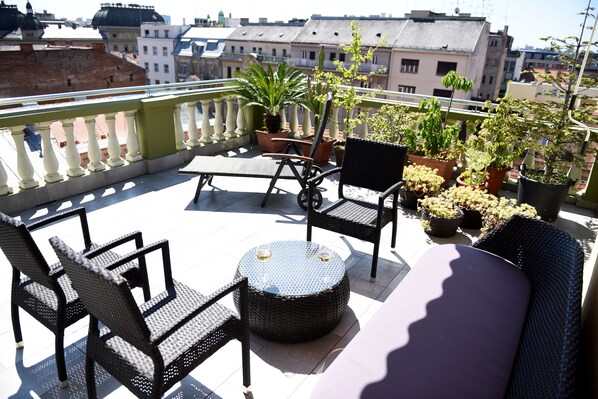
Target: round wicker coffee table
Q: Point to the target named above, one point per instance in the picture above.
(294, 296)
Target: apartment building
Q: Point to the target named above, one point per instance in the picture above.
(156, 51)
(498, 44)
(266, 42)
(199, 53)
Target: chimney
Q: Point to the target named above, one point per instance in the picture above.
(26, 47)
(100, 47)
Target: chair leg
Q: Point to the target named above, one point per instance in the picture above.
(308, 231)
(375, 260)
(245, 362)
(59, 354)
(90, 377)
(16, 325)
(393, 242)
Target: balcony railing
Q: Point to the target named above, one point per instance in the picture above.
(156, 136)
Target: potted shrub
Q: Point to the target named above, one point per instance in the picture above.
(452, 80)
(420, 181)
(439, 216)
(272, 91)
(503, 136)
(475, 173)
(554, 124)
(500, 209)
(438, 145)
(473, 201)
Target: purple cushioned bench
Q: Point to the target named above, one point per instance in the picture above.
(450, 329)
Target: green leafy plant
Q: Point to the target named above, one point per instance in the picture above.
(452, 80)
(394, 123)
(272, 90)
(477, 162)
(503, 208)
(422, 180)
(439, 207)
(434, 138)
(470, 198)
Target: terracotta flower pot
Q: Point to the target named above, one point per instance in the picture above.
(323, 152)
(265, 143)
(495, 179)
(445, 168)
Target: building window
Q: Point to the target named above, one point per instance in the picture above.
(444, 67)
(229, 72)
(147, 66)
(409, 66)
(166, 33)
(232, 49)
(111, 78)
(490, 79)
(303, 54)
(442, 93)
(183, 67)
(147, 81)
(284, 52)
(341, 57)
(156, 33)
(69, 82)
(406, 89)
(332, 56)
(154, 50)
(115, 47)
(134, 48)
(156, 69)
(145, 50)
(375, 60)
(130, 77)
(493, 43)
(255, 50)
(273, 52)
(166, 69)
(164, 51)
(240, 49)
(484, 79)
(146, 33)
(157, 81)
(126, 48)
(259, 50)
(312, 55)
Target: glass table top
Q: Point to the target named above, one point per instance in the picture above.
(292, 268)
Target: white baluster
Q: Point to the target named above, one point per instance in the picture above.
(283, 119)
(133, 154)
(240, 118)
(73, 158)
(206, 131)
(306, 125)
(333, 131)
(93, 148)
(530, 159)
(192, 140)
(50, 160)
(4, 189)
(218, 124)
(363, 131)
(574, 174)
(178, 129)
(230, 118)
(114, 159)
(294, 121)
(24, 166)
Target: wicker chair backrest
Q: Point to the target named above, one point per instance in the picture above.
(547, 364)
(372, 164)
(22, 252)
(104, 294)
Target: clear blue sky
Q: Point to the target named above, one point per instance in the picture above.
(528, 20)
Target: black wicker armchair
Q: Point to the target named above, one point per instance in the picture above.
(43, 290)
(547, 362)
(371, 165)
(151, 347)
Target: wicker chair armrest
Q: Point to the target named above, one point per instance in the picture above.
(66, 215)
(392, 189)
(136, 235)
(312, 180)
(289, 140)
(239, 283)
(163, 245)
(287, 156)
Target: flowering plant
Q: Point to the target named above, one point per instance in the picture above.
(503, 208)
(422, 180)
(470, 198)
(439, 207)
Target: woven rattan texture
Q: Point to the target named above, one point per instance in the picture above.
(151, 347)
(547, 363)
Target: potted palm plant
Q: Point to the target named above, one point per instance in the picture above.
(420, 181)
(272, 91)
(554, 124)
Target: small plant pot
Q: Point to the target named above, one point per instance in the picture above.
(495, 179)
(460, 182)
(472, 219)
(440, 227)
(445, 168)
(323, 152)
(409, 199)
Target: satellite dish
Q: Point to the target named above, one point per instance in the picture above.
(457, 10)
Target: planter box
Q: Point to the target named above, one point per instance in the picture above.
(323, 152)
(265, 143)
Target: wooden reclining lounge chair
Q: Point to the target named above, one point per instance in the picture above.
(273, 166)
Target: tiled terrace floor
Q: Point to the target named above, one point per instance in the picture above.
(206, 241)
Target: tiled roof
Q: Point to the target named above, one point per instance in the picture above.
(451, 35)
(266, 33)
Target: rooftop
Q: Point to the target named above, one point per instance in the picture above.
(207, 241)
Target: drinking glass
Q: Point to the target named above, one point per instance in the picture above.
(324, 253)
(263, 252)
